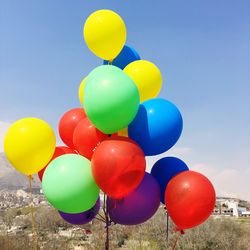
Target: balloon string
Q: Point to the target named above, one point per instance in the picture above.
(96, 218)
(106, 213)
(180, 232)
(104, 204)
(167, 229)
(101, 217)
(176, 240)
(34, 235)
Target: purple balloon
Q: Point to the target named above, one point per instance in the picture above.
(82, 218)
(139, 205)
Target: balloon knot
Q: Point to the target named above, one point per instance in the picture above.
(108, 225)
(176, 229)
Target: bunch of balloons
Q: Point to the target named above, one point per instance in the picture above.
(106, 140)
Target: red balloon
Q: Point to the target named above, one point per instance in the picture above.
(68, 124)
(190, 199)
(60, 150)
(86, 137)
(118, 166)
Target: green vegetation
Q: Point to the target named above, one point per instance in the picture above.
(221, 234)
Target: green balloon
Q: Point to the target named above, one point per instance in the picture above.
(111, 98)
(68, 184)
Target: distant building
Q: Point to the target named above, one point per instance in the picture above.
(229, 207)
(21, 193)
(245, 214)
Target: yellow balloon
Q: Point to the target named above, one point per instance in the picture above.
(105, 34)
(147, 78)
(81, 91)
(29, 145)
(123, 132)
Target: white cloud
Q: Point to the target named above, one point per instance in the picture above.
(229, 182)
(3, 128)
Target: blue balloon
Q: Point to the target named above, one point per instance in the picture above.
(165, 169)
(126, 56)
(157, 126)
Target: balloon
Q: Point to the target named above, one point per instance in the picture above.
(86, 138)
(139, 205)
(82, 218)
(123, 132)
(118, 166)
(157, 126)
(165, 169)
(68, 184)
(105, 34)
(68, 124)
(111, 99)
(126, 56)
(190, 199)
(147, 78)
(29, 145)
(81, 90)
(60, 150)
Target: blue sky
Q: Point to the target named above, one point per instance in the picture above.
(201, 47)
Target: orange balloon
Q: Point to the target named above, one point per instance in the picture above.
(123, 132)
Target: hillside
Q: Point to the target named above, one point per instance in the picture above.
(12, 179)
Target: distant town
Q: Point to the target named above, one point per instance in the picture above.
(9, 199)
(231, 207)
